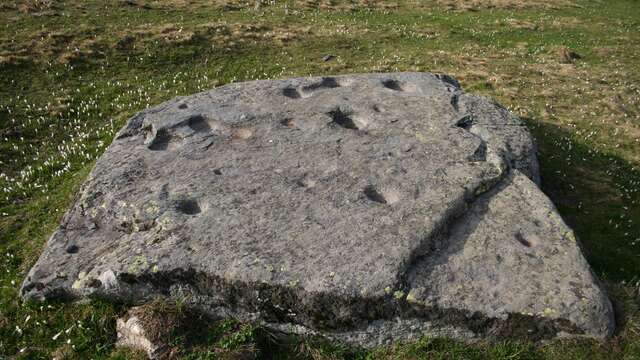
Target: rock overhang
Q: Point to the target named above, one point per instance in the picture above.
(367, 208)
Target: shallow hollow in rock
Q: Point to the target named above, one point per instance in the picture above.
(300, 204)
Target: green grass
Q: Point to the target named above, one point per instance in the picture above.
(71, 74)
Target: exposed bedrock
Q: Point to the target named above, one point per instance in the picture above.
(365, 208)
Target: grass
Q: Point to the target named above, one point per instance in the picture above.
(71, 73)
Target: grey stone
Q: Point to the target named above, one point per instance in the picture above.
(328, 57)
(364, 208)
(132, 332)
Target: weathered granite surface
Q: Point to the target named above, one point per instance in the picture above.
(365, 208)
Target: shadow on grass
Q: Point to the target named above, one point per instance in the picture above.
(597, 194)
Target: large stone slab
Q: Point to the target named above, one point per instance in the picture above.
(366, 208)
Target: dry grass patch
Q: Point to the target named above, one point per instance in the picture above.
(161, 321)
(57, 46)
(347, 5)
(174, 328)
(566, 22)
(228, 5)
(83, 50)
(566, 55)
(474, 5)
(219, 33)
(519, 24)
(13, 60)
(85, 44)
(37, 6)
(168, 33)
(605, 51)
(63, 352)
(232, 5)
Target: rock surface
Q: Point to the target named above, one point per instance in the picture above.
(365, 208)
